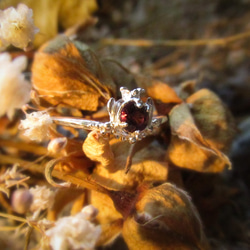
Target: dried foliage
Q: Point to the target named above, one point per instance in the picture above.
(61, 70)
(179, 188)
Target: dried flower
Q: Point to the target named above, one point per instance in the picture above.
(164, 218)
(36, 126)
(17, 27)
(75, 232)
(11, 177)
(43, 198)
(14, 89)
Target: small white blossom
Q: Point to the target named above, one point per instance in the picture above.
(14, 89)
(74, 232)
(17, 27)
(43, 198)
(36, 126)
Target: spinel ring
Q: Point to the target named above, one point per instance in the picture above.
(130, 118)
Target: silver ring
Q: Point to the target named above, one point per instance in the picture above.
(130, 118)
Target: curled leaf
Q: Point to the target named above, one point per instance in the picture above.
(188, 148)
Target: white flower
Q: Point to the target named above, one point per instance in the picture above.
(43, 198)
(17, 27)
(36, 126)
(74, 232)
(14, 89)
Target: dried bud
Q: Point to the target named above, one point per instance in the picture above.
(56, 145)
(21, 200)
(90, 212)
(164, 218)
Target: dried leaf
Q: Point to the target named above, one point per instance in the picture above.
(62, 74)
(49, 15)
(188, 148)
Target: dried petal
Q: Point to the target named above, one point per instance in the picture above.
(97, 148)
(147, 165)
(212, 118)
(162, 92)
(63, 76)
(164, 218)
(188, 148)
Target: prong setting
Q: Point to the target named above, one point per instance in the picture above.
(130, 118)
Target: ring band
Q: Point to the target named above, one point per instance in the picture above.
(130, 118)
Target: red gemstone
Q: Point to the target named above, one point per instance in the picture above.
(136, 118)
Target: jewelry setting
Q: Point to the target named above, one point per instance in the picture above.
(130, 118)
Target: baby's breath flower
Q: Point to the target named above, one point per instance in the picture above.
(14, 89)
(43, 198)
(17, 27)
(74, 232)
(36, 126)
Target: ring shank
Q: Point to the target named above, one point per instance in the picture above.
(77, 123)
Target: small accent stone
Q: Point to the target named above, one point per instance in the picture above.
(136, 118)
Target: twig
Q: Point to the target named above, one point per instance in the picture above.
(175, 43)
(28, 147)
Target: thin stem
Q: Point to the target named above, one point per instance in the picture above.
(175, 43)
(13, 217)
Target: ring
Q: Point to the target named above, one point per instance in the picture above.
(130, 118)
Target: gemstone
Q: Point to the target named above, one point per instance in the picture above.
(136, 118)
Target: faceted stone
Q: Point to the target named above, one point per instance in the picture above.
(136, 118)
